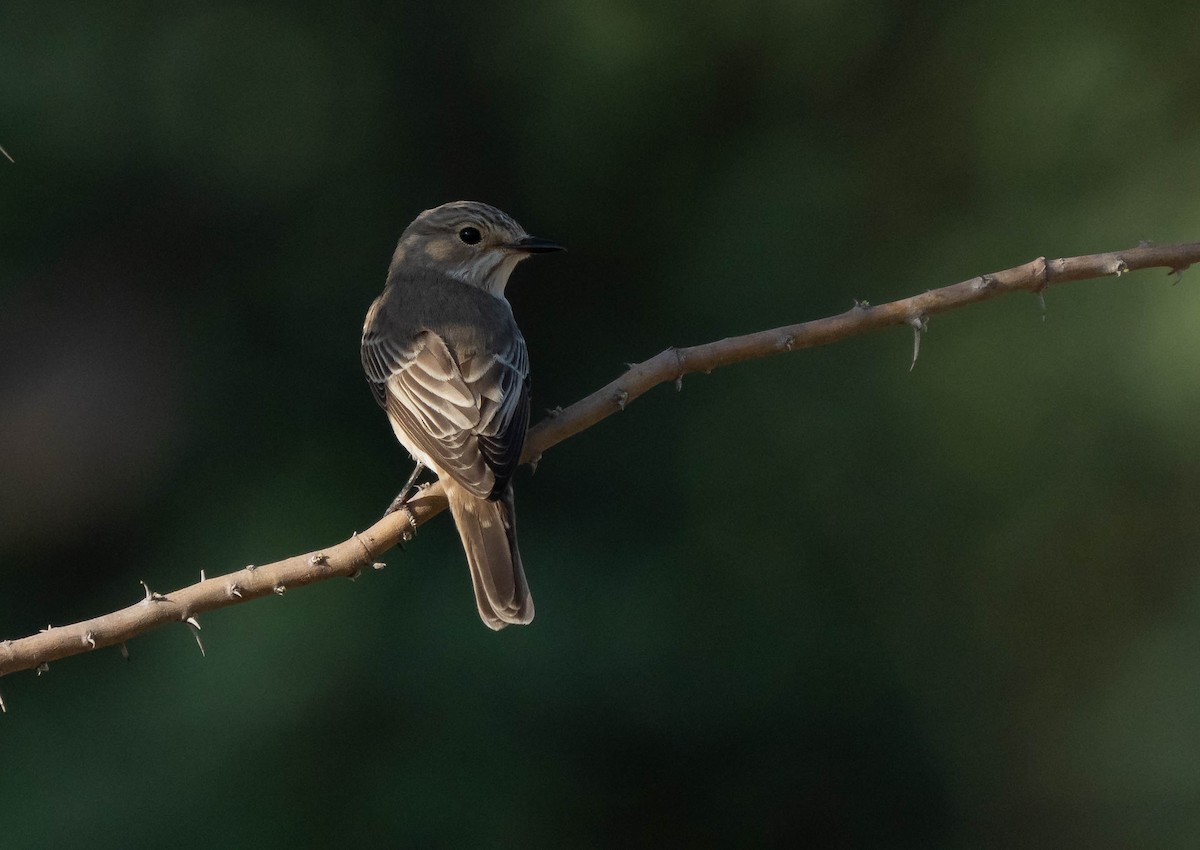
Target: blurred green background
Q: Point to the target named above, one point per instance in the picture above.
(813, 599)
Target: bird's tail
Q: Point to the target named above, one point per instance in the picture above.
(489, 535)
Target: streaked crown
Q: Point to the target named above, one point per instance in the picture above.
(469, 240)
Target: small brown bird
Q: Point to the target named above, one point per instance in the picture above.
(446, 361)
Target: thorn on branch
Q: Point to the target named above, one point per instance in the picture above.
(1120, 267)
(919, 324)
(621, 398)
(533, 464)
(354, 575)
(44, 667)
(3, 707)
(986, 281)
(151, 596)
(862, 305)
(378, 565)
(787, 342)
(6, 155)
(249, 568)
(1178, 273)
(203, 577)
(124, 651)
(280, 589)
(1041, 297)
(194, 625)
(317, 560)
(554, 411)
(89, 639)
(234, 591)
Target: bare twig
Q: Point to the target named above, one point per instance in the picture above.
(349, 557)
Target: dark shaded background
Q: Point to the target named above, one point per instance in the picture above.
(810, 598)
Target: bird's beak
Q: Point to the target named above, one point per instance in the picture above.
(533, 245)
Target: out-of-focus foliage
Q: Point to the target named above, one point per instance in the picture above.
(810, 599)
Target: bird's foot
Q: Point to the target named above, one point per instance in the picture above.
(406, 492)
(399, 502)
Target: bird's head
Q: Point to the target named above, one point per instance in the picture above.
(471, 241)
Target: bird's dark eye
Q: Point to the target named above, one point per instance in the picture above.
(470, 235)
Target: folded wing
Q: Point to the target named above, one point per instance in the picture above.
(467, 416)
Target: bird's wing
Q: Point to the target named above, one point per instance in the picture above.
(503, 381)
(468, 418)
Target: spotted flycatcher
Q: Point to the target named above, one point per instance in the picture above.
(446, 361)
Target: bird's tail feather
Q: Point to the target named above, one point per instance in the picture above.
(489, 536)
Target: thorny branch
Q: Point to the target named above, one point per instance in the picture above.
(364, 549)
